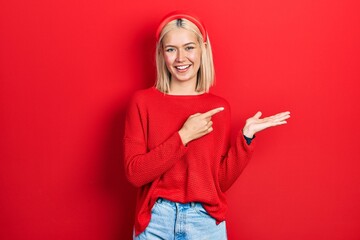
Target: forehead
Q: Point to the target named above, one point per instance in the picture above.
(179, 36)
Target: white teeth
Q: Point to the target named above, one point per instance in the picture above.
(182, 67)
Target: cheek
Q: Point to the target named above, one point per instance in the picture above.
(195, 54)
(168, 59)
(195, 57)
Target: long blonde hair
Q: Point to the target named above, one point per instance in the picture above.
(206, 73)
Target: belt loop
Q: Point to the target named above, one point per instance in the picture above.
(192, 204)
(159, 200)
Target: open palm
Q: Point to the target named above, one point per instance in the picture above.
(256, 124)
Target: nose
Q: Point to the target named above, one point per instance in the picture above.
(180, 57)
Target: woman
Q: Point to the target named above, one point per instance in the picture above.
(176, 143)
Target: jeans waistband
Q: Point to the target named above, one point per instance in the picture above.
(177, 204)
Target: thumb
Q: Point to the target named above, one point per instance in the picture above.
(258, 115)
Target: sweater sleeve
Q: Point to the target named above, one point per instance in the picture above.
(143, 165)
(236, 159)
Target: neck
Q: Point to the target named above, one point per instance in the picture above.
(183, 88)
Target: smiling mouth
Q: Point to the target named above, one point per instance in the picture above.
(182, 68)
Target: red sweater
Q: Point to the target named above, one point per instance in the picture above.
(157, 162)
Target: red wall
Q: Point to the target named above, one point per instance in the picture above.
(68, 68)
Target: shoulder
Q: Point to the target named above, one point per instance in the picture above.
(144, 95)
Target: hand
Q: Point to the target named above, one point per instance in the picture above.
(255, 124)
(197, 125)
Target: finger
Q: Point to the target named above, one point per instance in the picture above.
(206, 127)
(284, 117)
(280, 123)
(281, 117)
(282, 114)
(258, 115)
(212, 112)
(196, 114)
(278, 116)
(274, 121)
(272, 124)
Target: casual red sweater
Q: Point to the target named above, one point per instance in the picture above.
(157, 162)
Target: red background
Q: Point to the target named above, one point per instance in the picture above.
(68, 69)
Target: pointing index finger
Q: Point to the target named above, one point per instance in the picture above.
(212, 112)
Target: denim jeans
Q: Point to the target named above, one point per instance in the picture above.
(177, 221)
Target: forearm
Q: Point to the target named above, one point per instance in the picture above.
(143, 167)
(235, 161)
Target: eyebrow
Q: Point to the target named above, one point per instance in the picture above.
(189, 43)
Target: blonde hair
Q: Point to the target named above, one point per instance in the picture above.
(206, 73)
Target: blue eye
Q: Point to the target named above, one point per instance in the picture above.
(170, 50)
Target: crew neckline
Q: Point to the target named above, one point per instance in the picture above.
(179, 96)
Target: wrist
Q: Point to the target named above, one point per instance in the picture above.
(183, 136)
(247, 132)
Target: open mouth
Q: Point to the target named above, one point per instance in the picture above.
(182, 68)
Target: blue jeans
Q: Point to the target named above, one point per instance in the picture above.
(177, 221)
